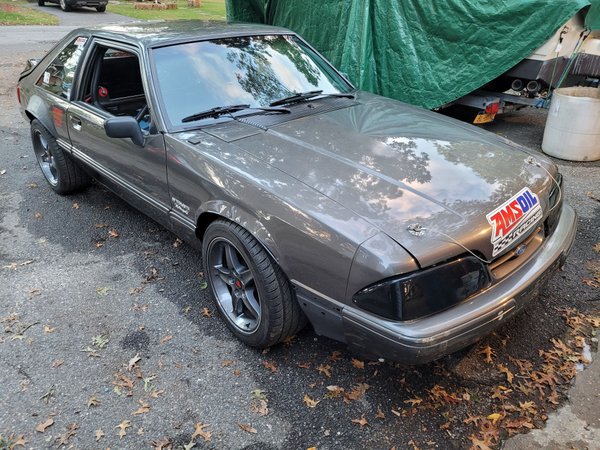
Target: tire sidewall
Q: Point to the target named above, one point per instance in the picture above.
(264, 330)
(57, 153)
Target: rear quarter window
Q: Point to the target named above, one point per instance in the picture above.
(58, 76)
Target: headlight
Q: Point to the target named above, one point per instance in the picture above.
(424, 292)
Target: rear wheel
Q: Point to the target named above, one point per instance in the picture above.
(41, 3)
(62, 173)
(251, 292)
(101, 8)
(64, 6)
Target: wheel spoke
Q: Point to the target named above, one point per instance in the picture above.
(224, 274)
(251, 304)
(231, 257)
(245, 276)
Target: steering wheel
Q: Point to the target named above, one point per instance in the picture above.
(139, 116)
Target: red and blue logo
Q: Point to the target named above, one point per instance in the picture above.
(513, 219)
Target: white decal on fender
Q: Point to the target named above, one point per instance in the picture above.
(513, 218)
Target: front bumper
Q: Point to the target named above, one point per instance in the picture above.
(423, 340)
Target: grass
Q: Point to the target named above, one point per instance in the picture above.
(210, 9)
(16, 13)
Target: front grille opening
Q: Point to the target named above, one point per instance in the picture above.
(510, 261)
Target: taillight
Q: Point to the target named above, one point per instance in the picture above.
(19, 93)
(492, 108)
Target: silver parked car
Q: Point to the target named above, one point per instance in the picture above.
(403, 233)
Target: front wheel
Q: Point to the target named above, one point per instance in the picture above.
(249, 289)
(101, 8)
(64, 6)
(62, 173)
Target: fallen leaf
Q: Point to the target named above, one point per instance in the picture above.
(358, 364)
(199, 431)
(19, 440)
(48, 329)
(488, 352)
(596, 247)
(414, 401)
(508, 373)
(133, 361)
(75, 205)
(478, 444)
(99, 244)
(310, 402)
(33, 185)
(100, 341)
(102, 291)
(41, 427)
(203, 285)
(380, 414)
(57, 363)
(166, 339)
(304, 365)
(123, 427)
(226, 363)
(325, 369)
(206, 312)
(156, 393)
(247, 428)
(101, 225)
(270, 365)
(99, 434)
(63, 439)
(362, 421)
(113, 233)
(259, 407)
(161, 444)
(93, 401)
(356, 393)
(177, 242)
(38, 215)
(334, 391)
(258, 394)
(143, 409)
(2, 172)
(494, 417)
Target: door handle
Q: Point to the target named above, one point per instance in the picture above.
(76, 122)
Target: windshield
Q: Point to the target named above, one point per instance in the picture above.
(254, 70)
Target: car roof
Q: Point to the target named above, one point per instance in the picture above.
(160, 33)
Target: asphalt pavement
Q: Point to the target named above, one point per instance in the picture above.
(108, 337)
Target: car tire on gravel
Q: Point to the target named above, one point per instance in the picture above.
(249, 289)
(101, 8)
(64, 6)
(62, 173)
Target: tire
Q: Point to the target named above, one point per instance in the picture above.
(255, 299)
(60, 171)
(101, 8)
(41, 3)
(64, 6)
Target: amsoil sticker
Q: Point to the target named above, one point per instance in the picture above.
(513, 219)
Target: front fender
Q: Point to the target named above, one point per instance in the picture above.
(246, 219)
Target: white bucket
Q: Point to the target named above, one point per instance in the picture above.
(573, 125)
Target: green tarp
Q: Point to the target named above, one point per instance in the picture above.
(422, 52)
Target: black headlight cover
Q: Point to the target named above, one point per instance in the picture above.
(425, 292)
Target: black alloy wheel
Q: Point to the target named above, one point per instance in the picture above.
(250, 291)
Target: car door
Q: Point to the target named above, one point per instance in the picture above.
(112, 84)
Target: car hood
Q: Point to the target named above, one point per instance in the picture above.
(396, 166)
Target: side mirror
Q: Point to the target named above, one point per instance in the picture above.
(124, 127)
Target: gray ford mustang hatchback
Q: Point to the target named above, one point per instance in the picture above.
(403, 233)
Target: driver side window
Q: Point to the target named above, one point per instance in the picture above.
(114, 84)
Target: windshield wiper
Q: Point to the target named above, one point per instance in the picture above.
(214, 112)
(220, 110)
(300, 97)
(295, 98)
